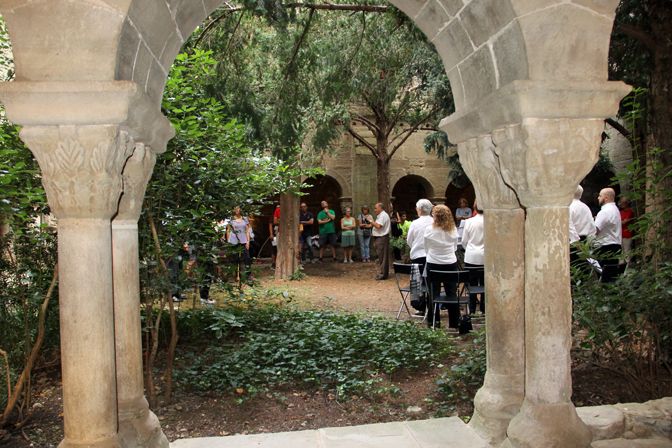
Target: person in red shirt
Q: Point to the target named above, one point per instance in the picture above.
(627, 215)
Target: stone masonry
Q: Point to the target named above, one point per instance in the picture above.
(530, 84)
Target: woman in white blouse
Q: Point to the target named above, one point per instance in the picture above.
(440, 246)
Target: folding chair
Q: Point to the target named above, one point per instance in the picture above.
(402, 272)
(476, 275)
(459, 278)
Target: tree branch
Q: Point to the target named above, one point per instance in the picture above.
(297, 46)
(619, 127)
(368, 123)
(410, 132)
(361, 140)
(639, 35)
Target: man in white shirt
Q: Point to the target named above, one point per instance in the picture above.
(608, 235)
(416, 233)
(381, 240)
(580, 216)
(474, 255)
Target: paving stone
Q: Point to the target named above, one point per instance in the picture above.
(297, 439)
(605, 422)
(445, 432)
(389, 435)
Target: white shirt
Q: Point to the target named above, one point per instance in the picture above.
(440, 245)
(582, 218)
(573, 234)
(472, 240)
(608, 223)
(416, 236)
(384, 220)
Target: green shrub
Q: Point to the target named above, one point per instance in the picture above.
(459, 383)
(257, 347)
(626, 326)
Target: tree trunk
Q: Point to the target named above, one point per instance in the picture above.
(288, 237)
(659, 156)
(383, 168)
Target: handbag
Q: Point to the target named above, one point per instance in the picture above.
(365, 232)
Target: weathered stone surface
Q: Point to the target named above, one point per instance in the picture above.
(522, 7)
(580, 43)
(190, 13)
(510, 55)
(478, 76)
(432, 18)
(648, 419)
(605, 422)
(153, 19)
(484, 18)
(453, 44)
(606, 7)
(128, 49)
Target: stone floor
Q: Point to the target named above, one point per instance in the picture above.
(435, 433)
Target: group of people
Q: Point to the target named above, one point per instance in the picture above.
(608, 232)
(433, 240)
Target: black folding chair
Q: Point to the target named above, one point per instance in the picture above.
(402, 273)
(437, 298)
(476, 287)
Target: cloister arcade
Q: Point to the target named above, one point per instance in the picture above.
(531, 91)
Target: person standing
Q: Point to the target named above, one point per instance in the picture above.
(365, 225)
(440, 244)
(627, 215)
(348, 225)
(474, 256)
(381, 241)
(415, 239)
(306, 220)
(608, 236)
(238, 236)
(580, 215)
(326, 219)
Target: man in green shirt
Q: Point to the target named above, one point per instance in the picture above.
(326, 218)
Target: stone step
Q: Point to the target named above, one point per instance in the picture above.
(633, 443)
(434, 433)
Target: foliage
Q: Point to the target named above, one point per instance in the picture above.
(461, 381)
(260, 346)
(626, 326)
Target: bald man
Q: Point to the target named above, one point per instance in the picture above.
(608, 235)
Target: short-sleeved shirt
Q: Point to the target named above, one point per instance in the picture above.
(608, 223)
(328, 227)
(384, 220)
(238, 232)
(307, 228)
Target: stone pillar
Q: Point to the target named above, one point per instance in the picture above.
(138, 426)
(499, 400)
(543, 160)
(81, 172)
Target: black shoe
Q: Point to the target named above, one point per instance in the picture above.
(419, 313)
(380, 277)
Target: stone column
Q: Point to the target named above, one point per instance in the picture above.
(81, 172)
(499, 400)
(138, 426)
(543, 160)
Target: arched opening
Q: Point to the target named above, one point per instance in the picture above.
(323, 188)
(408, 190)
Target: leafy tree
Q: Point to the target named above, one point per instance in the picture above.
(641, 54)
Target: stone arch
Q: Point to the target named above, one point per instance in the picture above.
(454, 193)
(407, 190)
(531, 91)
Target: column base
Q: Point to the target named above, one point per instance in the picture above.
(549, 426)
(495, 404)
(109, 442)
(139, 427)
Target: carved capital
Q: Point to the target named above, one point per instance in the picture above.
(481, 164)
(81, 167)
(136, 175)
(543, 160)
